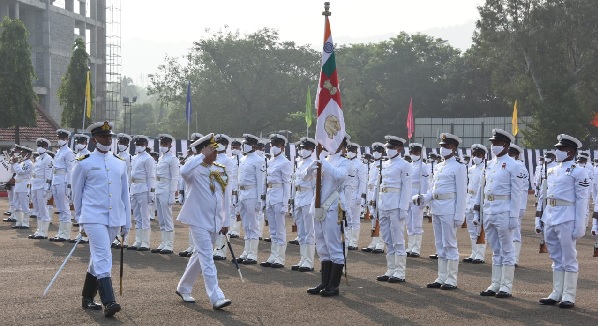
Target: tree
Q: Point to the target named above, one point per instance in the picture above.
(17, 98)
(71, 92)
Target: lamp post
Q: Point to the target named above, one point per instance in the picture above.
(127, 104)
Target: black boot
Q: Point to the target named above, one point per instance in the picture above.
(90, 289)
(107, 296)
(335, 281)
(326, 268)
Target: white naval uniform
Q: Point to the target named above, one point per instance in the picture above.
(447, 198)
(251, 187)
(205, 212)
(420, 182)
(371, 197)
(564, 222)
(501, 201)
(102, 206)
(393, 204)
(278, 192)
(355, 186)
(327, 232)
(143, 179)
(304, 190)
(24, 171)
(474, 177)
(40, 192)
(522, 208)
(167, 183)
(235, 226)
(126, 156)
(64, 161)
(231, 168)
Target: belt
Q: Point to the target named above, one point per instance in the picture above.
(300, 189)
(390, 189)
(449, 195)
(471, 191)
(497, 197)
(370, 187)
(559, 202)
(247, 187)
(162, 179)
(274, 185)
(60, 172)
(139, 181)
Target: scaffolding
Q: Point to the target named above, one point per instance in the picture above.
(113, 59)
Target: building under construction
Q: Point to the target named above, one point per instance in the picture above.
(53, 26)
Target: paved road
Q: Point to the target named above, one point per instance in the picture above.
(277, 297)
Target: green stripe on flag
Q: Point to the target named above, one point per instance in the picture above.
(329, 66)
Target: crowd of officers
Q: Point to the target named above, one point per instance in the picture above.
(485, 193)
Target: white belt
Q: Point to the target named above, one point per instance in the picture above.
(60, 172)
(559, 202)
(274, 185)
(370, 187)
(449, 195)
(300, 189)
(390, 189)
(247, 187)
(497, 197)
(139, 181)
(162, 179)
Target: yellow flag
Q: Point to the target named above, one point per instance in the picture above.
(88, 97)
(514, 120)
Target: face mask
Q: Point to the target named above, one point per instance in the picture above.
(247, 148)
(274, 150)
(496, 149)
(164, 149)
(445, 151)
(560, 155)
(391, 153)
(351, 155)
(103, 147)
(305, 153)
(236, 152)
(377, 155)
(415, 157)
(139, 149)
(220, 148)
(41, 150)
(80, 146)
(477, 160)
(122, 148)
(260, 153)
(61, 142)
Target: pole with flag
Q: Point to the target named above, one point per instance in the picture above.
(308, 112)
(514, 122)
(87, 106)
(188, 109)
(410, 122)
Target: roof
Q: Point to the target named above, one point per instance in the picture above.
(45, 126)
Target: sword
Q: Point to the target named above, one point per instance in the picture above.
(63, 264)
(230, 247)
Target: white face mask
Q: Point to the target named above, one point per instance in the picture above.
(497, 149)
(260, 153)
(247, 148)
(61, 142)
(351, 155)
(305, 153)
(164, 149)
(220, 148)
(445, 151)
(139, 149)
(79, 147)
(377, 155)
(274, 150)
(235, 152)
(477, 160)
(392, 153)
(103, 147)
(41, 150)
(415, 157)
(122, 148)
(560, 155)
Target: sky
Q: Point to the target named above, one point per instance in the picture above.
(150, 29)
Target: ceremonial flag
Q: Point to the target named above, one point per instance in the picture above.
(410, 122)
(88, 97)
(188, 106)
(308, 109)
(515, 125)
(330, 126)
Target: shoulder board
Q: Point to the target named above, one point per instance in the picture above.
(118, 157)
(83, 157)
(219, 165)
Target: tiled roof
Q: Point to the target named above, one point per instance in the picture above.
(46, 126)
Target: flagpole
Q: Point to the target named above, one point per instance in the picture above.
(84, 112)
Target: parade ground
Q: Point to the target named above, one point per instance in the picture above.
(278, 296)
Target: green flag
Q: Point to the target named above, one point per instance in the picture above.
(308, 110)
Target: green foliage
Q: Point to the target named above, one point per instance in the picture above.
(17, 98)
(71, 92)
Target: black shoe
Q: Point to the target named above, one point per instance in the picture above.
(408, 253)
(295, 242)
(233, 236)
(434, 256)
(277, 265)
(107, 296)
(168, 252)
(72, 240)
(378, 251)
(24, 227)
(295, 267)
(117, 246)
(477, 261)
(434, 285)
(7, 214)
(467, 260)
(10, 219)
(448, 287)
(75, 224)
(488, 293)
(566, 304)
(132, 248)
(143, 249)
(306, 269)
(239, 260)
(382, 278)
(414, 255)
(393, 279)
(39, 237)
(57, 239)
(216, 257)
(266, 264)
(189, 254)
(336, 273)
(15, 227)
(83, 241)
(502, 294)
(326, 268)
(548, 302)
(249, 262)
(32, 216)
(268, 239)
(90, 289)
(366, 249)
(183, 253)
(352, 248)
(155, 251)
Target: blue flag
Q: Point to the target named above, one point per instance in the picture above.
(188, 109)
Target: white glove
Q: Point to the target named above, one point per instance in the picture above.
(417, 200)
(578, 232)
(284, 209)
(171, 200)
(152, 197)
(124, 231)
(48, 194)
(258, 205)
(323, 155)
(513, 221)
(476, 218)
(402, 214)
(538, 225)
(521, 213)
(69, 193)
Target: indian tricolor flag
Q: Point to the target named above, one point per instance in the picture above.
(330, 128)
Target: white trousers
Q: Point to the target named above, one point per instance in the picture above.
(202, 262)
(140, 206)
(562, 247)
(392, 232)
(164, 212)
(276, 224)
(500, 238)
(328, 238)
(100, 239)
(305, 225)
(249, 218)
(21, 202)
(40, 204)
(445, 236)
(415, 218)
(473, 230)
(354, 217)
(61, 202)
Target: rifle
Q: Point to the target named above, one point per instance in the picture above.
(482, 236)
(342, 221)
(292, 199)
(374, 203)
(236, 193)
(544, 192)
(265, 192)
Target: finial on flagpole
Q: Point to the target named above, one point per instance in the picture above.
(326, 11)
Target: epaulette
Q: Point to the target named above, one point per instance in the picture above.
(118, 157)
(219, 165)
(83, 157)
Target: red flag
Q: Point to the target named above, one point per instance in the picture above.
(410, 122)
(595, 120)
